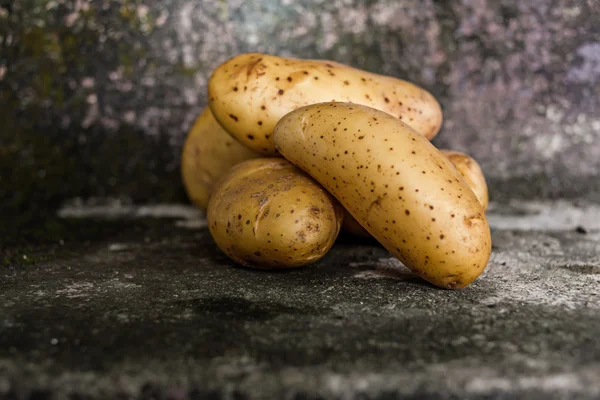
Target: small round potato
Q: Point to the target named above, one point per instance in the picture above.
(208, 153)
(471, 172)
(250, 92)
(268, 214)
(468, 168)
(396, 184)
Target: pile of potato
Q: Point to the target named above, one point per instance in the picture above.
(290, 151)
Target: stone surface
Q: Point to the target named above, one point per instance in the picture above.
(103, 92)
(130, 305)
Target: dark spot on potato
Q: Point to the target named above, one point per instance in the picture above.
(346, 83)
(407, 212)
(413, 152)
(361, 137)
(291, 211)
(239, 216)
(316, 78)
(289, 78)
(233, 117)
(263, 107)
(235, 89)
(277, 78)
(280, 91)
(251, 137)
(259, 122)
(386, 100)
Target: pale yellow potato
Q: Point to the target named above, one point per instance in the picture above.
(396, 184)
(208, 153)
(471, 172)
(468, 168)
(249, 93)
(267, 213)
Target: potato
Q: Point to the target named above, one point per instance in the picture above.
(471, 172)
(250, 92)
(396, 184)
(208, 153)
(466, 166)
(268, 214)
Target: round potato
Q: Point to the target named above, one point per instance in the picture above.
(468, 168)
(249, 93)
(268, 214)
(208, 153)
(396, 184)
(471, 172)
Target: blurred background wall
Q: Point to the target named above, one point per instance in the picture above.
(96, 96)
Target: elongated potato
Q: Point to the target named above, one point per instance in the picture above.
(396, 184)
(471, 172)
(249, 93)
(466, 166)
(268, 214)
(208, 153)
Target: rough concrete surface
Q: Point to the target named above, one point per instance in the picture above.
(151, 309)
(106, 90)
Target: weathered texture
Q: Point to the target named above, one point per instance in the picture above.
(142, 309)
(518, 81)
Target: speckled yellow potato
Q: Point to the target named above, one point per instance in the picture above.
(467, 167)
(208, 153)
(396, 184)
(268, 214)
(471, 172)
(249, 93)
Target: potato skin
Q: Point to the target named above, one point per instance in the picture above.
(471, 172)
(268, 214)
(208, 153)
(396, 184)
(466, 166)
(250, 92)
